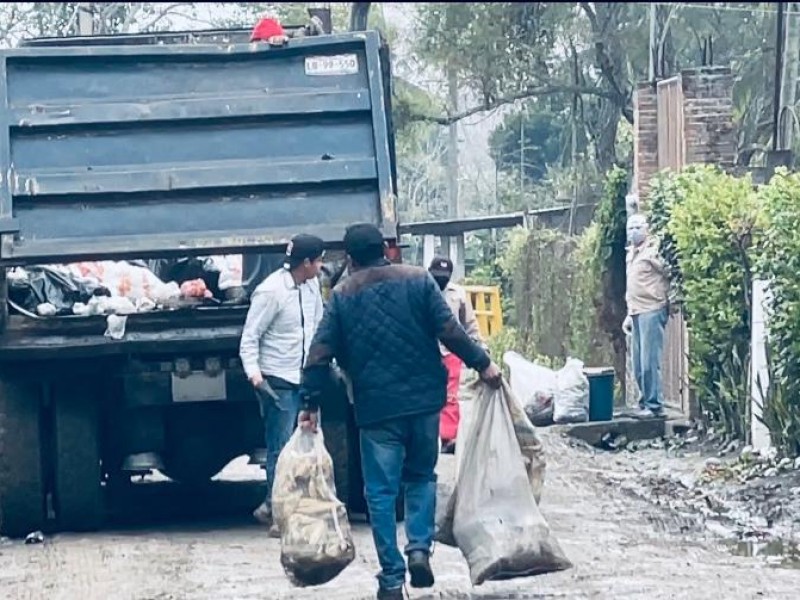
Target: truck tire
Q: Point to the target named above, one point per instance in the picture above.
(200, 441)
(194, 464)
(78, 493)
(21, 479)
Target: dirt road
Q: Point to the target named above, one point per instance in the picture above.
(621, 548)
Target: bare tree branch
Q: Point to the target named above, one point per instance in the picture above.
(590, 14)
(502, 101)
(165, 12)
(73, 20)
(619, 96)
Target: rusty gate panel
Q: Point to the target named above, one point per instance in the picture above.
(674, 365)
(671, 147)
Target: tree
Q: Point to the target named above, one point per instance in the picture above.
(506, 52)
(541, 134)
(58, 19)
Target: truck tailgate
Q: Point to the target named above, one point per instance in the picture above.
(137, 151)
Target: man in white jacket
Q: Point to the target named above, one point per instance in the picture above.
(285, 310)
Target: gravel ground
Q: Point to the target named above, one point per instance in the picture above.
(621, 546)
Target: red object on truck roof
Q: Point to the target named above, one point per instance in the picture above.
(266, 29)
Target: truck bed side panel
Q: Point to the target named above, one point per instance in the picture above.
(134, 151)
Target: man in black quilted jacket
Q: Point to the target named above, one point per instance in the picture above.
(382, 325)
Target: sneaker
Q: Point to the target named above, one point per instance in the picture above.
(263, 514)
(419, 567)
(646, 413)
(393, 594)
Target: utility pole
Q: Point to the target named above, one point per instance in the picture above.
(522, 157)
(791, 71)
(574, 143)
(454, 209)
(653, 43)
(85, 19)
(776, 102)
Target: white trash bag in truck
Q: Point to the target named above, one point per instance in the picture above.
(535, 386)
(316, 542)
(492, 515)
(572, 400)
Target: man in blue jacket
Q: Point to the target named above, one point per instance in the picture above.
(382, 325)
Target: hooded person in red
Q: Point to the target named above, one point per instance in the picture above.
(441, 268)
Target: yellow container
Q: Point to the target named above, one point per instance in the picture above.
(485, 300)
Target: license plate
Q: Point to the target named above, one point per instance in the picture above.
(340, 64)
(198, 387)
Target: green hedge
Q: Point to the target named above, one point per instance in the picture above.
(717, 234)
(568, 292)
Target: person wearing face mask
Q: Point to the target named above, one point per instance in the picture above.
(441, 269)
(646, 294)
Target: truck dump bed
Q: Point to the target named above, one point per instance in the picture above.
(142, 150)
(178, 144)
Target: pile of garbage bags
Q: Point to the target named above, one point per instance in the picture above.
(316, 542)
(492, 515)
(122, 287)
(549, 396)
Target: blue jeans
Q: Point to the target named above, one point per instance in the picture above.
(404, 449)
(648, 346)
(280, 419)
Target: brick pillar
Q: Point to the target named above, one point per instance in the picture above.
(645, 137)
(708, 116)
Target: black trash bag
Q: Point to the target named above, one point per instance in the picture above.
(47, 285)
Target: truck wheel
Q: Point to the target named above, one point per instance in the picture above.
(200, 441)
(79, 502)
(194, 468)
(21, 478)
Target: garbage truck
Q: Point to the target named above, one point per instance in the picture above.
(147, 148)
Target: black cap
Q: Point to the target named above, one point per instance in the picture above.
(364, 243)
(302, 247)
(441, 266)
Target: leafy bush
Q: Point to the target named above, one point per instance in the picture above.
(707, 221)
(609, 264)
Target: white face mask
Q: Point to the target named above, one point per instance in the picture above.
(637, 230)
(637, 236)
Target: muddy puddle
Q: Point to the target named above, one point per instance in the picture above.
(777, 553)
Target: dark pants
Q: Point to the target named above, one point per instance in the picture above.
(404, 449)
